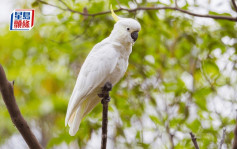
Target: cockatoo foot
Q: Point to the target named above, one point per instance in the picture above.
(105, 92)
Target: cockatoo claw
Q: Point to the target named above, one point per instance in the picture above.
(105, 100)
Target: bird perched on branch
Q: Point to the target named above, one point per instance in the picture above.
(107, 62)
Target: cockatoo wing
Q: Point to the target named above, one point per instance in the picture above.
(95, 71)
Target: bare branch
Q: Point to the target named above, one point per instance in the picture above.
(75, 37)
(235, 135)
(171, 136)
(222, 138)
(176, 3)
(64, 3)
(119, 3)
(105, 101)
(135, 1)
(236, 115)
(6, 89)
(46, 3)
(234, 5)
(235, 138)
(194, 139)
(146, 9)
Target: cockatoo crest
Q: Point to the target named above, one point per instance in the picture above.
(116, 18)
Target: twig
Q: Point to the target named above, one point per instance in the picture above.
(65, 4)
(135, 1)
(171, 136)
(176, 3)
(105, 101)
(234, 5)
(222, 138)
(6, 88)
(235, 135)
(75, 37)
(119, 3)
(144, 8)
(194, 139)
(46, 3)
(236, 115)
(235, 138)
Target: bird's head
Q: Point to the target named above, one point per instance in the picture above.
(125, 29)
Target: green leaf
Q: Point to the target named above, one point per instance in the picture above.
(211, 69)
(155, 119)
(200, 97)
(195, 125)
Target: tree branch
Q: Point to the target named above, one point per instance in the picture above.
(234, 5)
(194, 139)
(105, 101)
(143, 8)
(119, 3)
(222, 138)
(176, 3)
(171, 136)
(6, 89)
(235, 136)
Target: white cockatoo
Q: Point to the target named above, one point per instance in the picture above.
(107, 62)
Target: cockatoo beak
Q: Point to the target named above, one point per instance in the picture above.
(116, 18)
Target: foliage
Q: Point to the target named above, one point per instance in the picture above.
(181, 77)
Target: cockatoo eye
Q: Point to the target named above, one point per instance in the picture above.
(128, 29)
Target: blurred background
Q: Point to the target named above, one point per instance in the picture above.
(181, 78)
